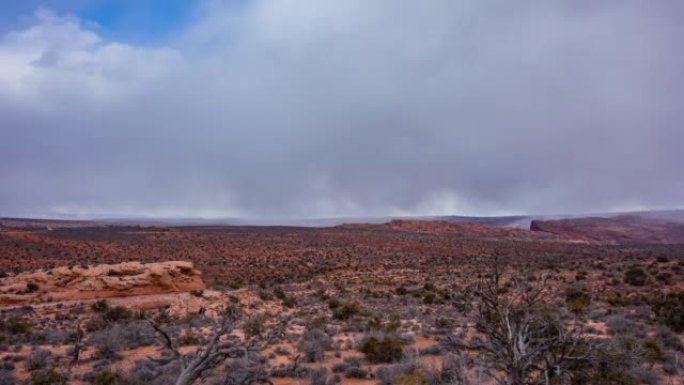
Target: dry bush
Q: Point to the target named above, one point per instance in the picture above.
(382, 350)
(38, 359)
(313, 344)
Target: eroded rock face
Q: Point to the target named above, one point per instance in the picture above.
(101, 281)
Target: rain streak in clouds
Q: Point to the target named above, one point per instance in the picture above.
(348, 108)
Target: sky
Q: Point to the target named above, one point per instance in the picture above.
(309, 108)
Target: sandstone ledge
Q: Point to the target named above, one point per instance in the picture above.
(100, 281)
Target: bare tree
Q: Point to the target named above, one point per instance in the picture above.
(216, 350)
(524, 341)
(679, 370)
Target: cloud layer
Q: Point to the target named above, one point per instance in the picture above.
(307, 108)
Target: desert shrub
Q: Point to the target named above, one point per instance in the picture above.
(443, 323)
(581, 275)
(455, 369)
(608, 363)
(340, 367)
(653, 351)
(118, 314)
(636, 276)
(577, 300)
(291, 370)
(665, 278)
(55, 337)
(391, 375)
(346, 311)
(416, 377)
(32, 287)
(432, 350)
(108, 316)
(349, 362)
(279, 293)
(313, 344)
(429, 298)
(197, 293)
(354, 372)
(388, 349)
(15, 325)
(7, 377)
(95, 323)
(189, 338)
(136, 334)
(38, 359)
(264, 295)
(282, 351)
(47, 377)
(148, 372)
(393, 322)
(334, 303)
(374, 322)
(619, 325)
(108, 343)
(353, 361)
(669, 310)
(244, 371)
(100, 306)
(669, 340)
(401, 290)
(289, 302)
(643, 376)
(254, 326)
(318, 376)
(106, 377)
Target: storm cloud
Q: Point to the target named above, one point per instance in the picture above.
(309, 108)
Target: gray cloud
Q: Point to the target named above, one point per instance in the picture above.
(309, 108)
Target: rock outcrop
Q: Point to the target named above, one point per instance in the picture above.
(100, 281)
(624, 229)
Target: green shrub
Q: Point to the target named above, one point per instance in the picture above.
(654, 352)
(47, 377)
(577, 300)
(669, 310)
(106, 377)
(636, 276)
(16, 325)
(95, 324)
(118, 314)
(393, 322)
(189, 339)
(107, 316)
(346, 311)
(386, 350)
(254, 326)
(416, 377)
(100, 306)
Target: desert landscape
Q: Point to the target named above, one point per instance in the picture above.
(575, 300)
(341, 192)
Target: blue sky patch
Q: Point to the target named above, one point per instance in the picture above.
(134, 21)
